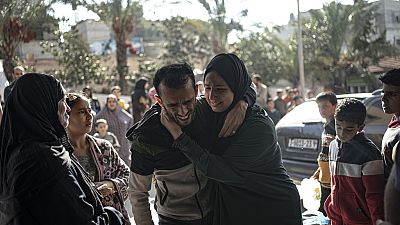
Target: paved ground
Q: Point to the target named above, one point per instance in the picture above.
(154, 213)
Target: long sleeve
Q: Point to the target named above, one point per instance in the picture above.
(235, 164)
(121, 174)
(139, 187)
(60, 199)
(374, 183)
(65, 203)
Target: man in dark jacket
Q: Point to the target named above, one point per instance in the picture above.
(183, 192)
(391, 105)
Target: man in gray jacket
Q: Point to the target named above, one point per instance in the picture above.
(183, 193)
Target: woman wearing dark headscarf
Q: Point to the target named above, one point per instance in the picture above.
(119, 121)
(140, 100)
(252, 184)
(40, 180)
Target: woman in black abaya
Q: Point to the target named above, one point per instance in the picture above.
(252, 184)
(40, 181)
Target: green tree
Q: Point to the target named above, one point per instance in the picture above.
(266, 55)
(186, 40)
(324, 38)
(221, 26)
(367, 46)
(121, 17)
(78, 64)
(21, 21)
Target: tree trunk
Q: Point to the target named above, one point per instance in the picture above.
(8, 66)
(8, 50)
(122, 61)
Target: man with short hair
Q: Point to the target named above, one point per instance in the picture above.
(280, 104)
(183, 193)
(262, 92)
(390, 148)
(18, 72)
(390, 105)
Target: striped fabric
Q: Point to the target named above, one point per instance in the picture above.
(358, 182)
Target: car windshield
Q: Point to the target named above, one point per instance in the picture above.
(304, 113)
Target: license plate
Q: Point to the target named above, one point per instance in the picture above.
(303, 143)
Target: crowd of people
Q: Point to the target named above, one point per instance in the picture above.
(210, 148)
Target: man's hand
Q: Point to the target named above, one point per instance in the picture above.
(105, 187)
(170, 124)
(315, 175)
(234, 119)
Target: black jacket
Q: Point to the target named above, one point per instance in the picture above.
(252, 185)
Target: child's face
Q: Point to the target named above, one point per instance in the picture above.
(101, 128)
(346, 130)
(326, 109)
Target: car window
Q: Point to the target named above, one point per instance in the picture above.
(375, 114)
(307, 112)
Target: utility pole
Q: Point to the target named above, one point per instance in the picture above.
(300, 51)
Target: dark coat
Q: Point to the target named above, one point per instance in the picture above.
(40, 181)
(252, 185)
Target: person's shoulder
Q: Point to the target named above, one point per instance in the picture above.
(264, 86)
(126, 114)
(103, 144)
(257, 115)
(111, 134)
(55, 155)
(366, 148)
(149, 129)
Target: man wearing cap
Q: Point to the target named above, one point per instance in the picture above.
(18, 72)
(280, 104)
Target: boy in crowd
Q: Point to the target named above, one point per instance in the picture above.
(103, 133)
(356, 168)
(272, 112)
(326, 104)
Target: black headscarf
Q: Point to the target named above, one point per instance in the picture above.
(30, 129)
(29, 122)
(31, 112)
(139, 90)
(234, 73)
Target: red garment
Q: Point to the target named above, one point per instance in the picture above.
(394, 123)
(287, 99)
(358, 182)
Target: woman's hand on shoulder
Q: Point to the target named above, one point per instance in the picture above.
(234, 119)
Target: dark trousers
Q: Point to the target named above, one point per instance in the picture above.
(325, 192)
(163, 220)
